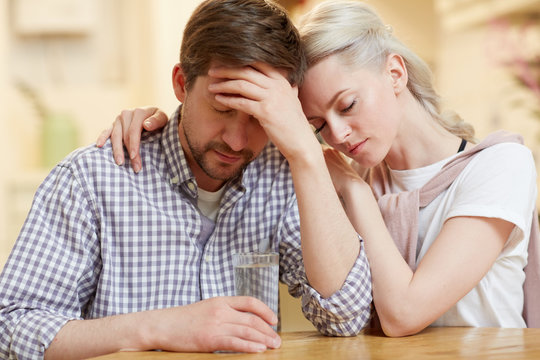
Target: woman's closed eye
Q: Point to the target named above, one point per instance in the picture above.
(350, 107)
(318, 129)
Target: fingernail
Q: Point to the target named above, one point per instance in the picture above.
(147, 124)
(136, 168)
(276, 343)
(260, 348)
(119, 160)
(132, 154)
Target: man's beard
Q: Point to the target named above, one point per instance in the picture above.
(222, 171)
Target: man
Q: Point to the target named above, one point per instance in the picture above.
(111, 260)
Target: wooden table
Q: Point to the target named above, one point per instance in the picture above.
(432, 343)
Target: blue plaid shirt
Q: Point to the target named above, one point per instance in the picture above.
(101, 240)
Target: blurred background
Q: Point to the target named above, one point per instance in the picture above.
(68, 67)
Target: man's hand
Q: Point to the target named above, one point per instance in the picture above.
(127, 128)
(265, 93)
(240, 324)
(231, 323)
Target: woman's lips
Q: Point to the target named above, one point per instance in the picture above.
(356, 148)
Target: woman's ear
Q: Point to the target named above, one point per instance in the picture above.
(395, 67)
(179, 82)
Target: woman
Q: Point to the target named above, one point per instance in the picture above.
(444, 250)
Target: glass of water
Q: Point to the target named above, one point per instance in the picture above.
(257, 275)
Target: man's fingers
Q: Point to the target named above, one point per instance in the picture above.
(239, 87)
(258, 331)
(254, 306)
(245, 339)
(235, 344)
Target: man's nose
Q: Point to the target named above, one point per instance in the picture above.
(236, 132)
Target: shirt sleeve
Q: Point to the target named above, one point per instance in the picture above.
(348, 310)
(500, 182)
(51, 272)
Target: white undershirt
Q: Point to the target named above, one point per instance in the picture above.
(208, 202)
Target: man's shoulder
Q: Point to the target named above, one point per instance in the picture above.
(91, 156)
(270, 159)
(269, 172)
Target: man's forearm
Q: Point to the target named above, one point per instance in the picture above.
(330, 244)
(229, 323)
(86, 338)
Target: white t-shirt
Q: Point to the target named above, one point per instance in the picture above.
(499, 182)
(208, 202)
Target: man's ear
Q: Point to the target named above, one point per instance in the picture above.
(395, 67)
(179, 82)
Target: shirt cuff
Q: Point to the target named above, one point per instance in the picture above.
(34, 333)
(349, 309)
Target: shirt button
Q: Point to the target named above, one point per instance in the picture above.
(207, 258)
(191, 186)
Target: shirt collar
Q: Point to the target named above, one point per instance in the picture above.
(179, 171)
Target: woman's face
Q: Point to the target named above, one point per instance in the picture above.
(354, 109)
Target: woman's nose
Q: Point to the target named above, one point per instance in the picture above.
(339, 129)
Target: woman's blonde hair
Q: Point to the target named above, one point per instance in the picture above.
(357, 34)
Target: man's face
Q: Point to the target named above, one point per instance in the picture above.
(219, 142)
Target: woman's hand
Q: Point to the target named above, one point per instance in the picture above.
(341, 171)
(128, 128)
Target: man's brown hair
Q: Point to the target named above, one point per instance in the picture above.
(240, 33)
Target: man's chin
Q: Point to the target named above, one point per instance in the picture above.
(224, 174)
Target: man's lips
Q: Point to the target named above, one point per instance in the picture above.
(227, 158)
(355, 149)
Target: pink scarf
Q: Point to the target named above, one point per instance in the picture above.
(400, 213)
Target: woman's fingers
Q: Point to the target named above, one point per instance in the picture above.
(102, 138)
(116, 141)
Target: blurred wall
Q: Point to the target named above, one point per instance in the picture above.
(100, 56)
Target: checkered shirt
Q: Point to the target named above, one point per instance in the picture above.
(101, 240)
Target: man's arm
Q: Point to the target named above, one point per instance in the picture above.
(238, 324)
(52, 275)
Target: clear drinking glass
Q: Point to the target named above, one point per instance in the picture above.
(257, 275)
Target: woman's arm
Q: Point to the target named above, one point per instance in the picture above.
(408, 301)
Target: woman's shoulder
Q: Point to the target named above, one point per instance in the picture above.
(505, 157)
(501, 175)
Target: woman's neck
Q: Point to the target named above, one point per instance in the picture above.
(421, 141)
